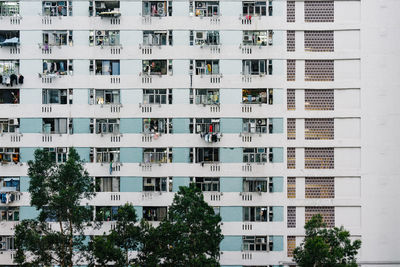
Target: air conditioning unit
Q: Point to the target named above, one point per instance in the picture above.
(149, 182)
(261, 122)
(246, 38)
(98, 33)
(52, 149)
(261, 240)
(201, 35)
(161, 8)
(200, 4)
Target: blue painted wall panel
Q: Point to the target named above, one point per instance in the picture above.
(231, 243)
(131, 184)
(30, 125)
(130, 125)
(231, 214)
(131, 154)
(179, 181)
(231, 184)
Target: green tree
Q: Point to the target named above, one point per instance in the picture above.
(189, 236)
(56, 191)
(324, 247)
(114, 247)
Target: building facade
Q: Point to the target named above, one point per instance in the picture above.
(258, 103)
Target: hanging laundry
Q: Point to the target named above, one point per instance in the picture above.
(21, 79)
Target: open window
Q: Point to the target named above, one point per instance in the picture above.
(256, 243)
(104, 126)
(207, 154)
(9, 73)
(55, 125)
(205, 125)
(257, 67)
(207, 184)
(204, 8)
(257, 125)
(204, 96)
(9, 96)
(157, 184)
(57, 38)
(257, 8)
(204, 38)
(155, 67)
(260, 38)
(10, 214)
(105, 96)
(9, 38)
(104, 38)
(57, 154)
(107, 184)
(104, 8)
(157, 38)
(54, 67)
(257, 184)
(9, 125)
(9, 8)
(107, 213)
(255, 214)
(157, 8)
(9, 189)
(9, 154)
(55, 96)
(154, 214)
(207, 67)
(257, 96)
(157, 155)
(107, 154)
(57, 8)
(157, 125)
(107, 67)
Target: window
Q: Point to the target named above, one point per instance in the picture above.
(207, 67)
(10, 214)
(256, 243)
(57, 38)
(55, 96)
(205, 125)
(57, 8)
(107, 184)
(9, 189)
(157, 8)
(55, 125)
(107, 67)
(161, 126)
(104, 38)
(9, 38)
(257, 96)
(207, 154)
(106, 214)
(104, 8)
(255, 125)
(159, 184)
(104, 126)
(205, 96)
(104, 96)
(154, 213)
(257, 67)
(56, 67)
(260, 38)
(57, 154)
(107, 155)
(252, 8)
(156, 155)
(9, 126)
(157, 96)
(155, 67)
(206, 184)
(157, 38)
(257, 214)
(8, 68)
(205, 8)
(9, 154)
(257, 184)
(9, 8)
(252, 155)
(204, 38)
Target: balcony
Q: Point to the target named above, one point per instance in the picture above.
(9, 190)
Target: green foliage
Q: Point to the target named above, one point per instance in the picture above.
(189, 236)
(114, 247)
(324, 247)
(56, 191)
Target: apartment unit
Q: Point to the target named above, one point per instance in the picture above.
(257, 102)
